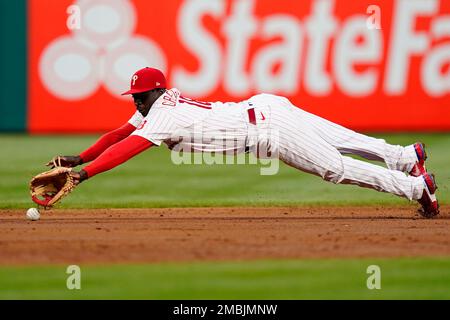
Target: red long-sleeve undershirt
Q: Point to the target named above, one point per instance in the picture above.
(106, 141)
(117, 154)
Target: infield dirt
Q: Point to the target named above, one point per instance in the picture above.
(198, 234)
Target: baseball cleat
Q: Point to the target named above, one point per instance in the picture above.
(419, 167)
(429, 203)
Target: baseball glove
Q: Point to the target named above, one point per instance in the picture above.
(51, 186)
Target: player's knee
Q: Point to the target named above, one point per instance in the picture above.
(334, 174)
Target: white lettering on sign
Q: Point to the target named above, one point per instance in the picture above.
(405, 42)
(200, 43)
(320, 53)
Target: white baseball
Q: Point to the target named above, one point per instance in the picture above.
(33, 214)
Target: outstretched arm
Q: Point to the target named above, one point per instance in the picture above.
(114, 156)
(103, 143)
(106, 141)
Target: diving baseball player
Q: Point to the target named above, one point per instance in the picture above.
(265, 124)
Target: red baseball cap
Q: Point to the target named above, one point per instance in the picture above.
(146, 79)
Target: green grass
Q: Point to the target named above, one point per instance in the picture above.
(288, 279)
(152, 180)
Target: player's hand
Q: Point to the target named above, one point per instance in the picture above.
(64, 161)
(78, 177)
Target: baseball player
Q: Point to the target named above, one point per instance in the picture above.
(264, 122)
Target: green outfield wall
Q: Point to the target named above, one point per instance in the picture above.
(13, 65)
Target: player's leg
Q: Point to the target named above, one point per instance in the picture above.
(324, 160)
(350, 142)
(423, 187)
(301, 147)
(368, 175)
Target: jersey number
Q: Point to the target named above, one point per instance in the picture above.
(201, 104)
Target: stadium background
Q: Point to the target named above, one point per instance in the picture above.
(60, 88)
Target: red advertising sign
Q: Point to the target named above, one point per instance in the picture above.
(368, 65)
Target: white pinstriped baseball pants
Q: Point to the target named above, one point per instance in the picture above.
(315, 145)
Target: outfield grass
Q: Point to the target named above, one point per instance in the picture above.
(152, 180)
(308, 279)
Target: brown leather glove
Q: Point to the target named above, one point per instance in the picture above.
(49, 187)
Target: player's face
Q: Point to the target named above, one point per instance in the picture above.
(144, 101)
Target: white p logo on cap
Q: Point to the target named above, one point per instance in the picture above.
(135, 77)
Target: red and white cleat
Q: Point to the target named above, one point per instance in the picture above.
(429, 203)
(419, 168)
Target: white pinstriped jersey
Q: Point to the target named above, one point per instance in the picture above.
(303, 140)
(194, 125)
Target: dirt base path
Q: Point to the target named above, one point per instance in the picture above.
(194, 234)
